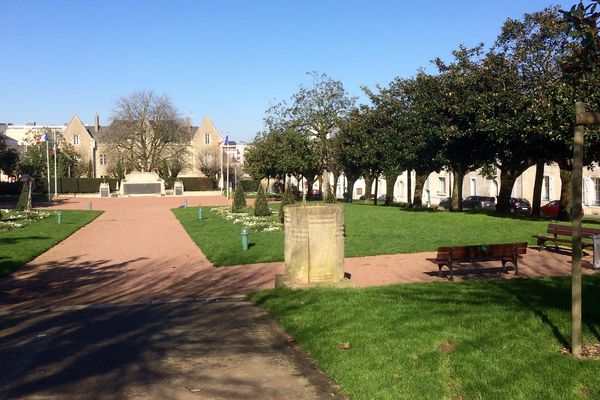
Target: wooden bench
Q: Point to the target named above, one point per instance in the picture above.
(563, 234)
(506, 252)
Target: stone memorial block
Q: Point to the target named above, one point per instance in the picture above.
(140, 183)
(104, 190)
(314, 246)
(178, 188)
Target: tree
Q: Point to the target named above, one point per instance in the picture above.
(315, 112)
(209, 162)
(464, 146)
(147, 129)
(9, 158)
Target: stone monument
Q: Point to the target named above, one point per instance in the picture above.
(142, 183)
(314, 246)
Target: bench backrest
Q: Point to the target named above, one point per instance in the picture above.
(567, 230)
(482, 251)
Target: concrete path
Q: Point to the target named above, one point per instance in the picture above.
(188, 350)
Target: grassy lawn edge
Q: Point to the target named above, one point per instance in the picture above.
(20, 246)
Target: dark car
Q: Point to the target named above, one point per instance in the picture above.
(479, 203)
(551, 209)
(444, 204)
(519, 205)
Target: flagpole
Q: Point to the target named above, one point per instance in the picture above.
(55, 147)
(48, 170)
(227, 154)
(222, 177)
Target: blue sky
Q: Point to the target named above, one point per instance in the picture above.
(228, 59)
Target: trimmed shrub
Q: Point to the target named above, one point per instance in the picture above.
(261, 208)
(249, 185)
(288, 198)
(10, 188)
(89, 173)
(24, 202)
(198, 184)
(239, 200)
(330, 198)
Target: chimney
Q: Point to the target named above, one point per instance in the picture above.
(96, 123)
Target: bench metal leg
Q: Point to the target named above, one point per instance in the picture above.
(451, 273)
(504, 269)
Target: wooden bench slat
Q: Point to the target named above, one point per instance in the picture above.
(566, 231)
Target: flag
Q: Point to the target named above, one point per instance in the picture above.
(54, 149)
(227, 140)
(220, 142)
(41, 138)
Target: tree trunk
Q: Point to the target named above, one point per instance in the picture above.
(325, 184)
(350, 189)
(537, 189)
(566, 200)
(390, 182)
(457, 189)
(420, 179)
(507, 181)
(368, 184)
(409, 188)
(309, 185)
(336, 178)
(376, 190)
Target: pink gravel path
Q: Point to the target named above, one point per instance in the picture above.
(137, 251)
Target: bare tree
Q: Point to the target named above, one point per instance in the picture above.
(146, 129)
(209, 161)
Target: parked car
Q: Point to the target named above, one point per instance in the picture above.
(444, 204)
(382, 197)
(519, 205)
(551, 209)
(479, 203)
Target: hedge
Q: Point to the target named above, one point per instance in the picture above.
(198, 184)
(249, 185)
(10, 187)
(74, 185)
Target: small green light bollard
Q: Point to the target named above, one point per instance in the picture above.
(245, 238)
(200, 213)
(59, 217)
(185, 203)
(90, 205)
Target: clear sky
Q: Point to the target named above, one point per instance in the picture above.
(228, 59)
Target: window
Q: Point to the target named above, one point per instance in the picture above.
(473, 187)
(597, 190)
(546, 188)
(206, 138)
(208, 158)
(359, 191)
(103, 159)
(75, 139)
(442, 185)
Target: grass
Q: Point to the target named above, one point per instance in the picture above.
(370, 231)
(496, 339)
(19, 246)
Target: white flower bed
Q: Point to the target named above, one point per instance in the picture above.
(15, 219)
(257, 224)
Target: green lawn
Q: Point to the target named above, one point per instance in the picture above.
(20, 246)
(496, 339)
(370, 230)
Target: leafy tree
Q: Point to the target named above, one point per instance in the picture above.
(464, 146)
(261, 207)
(24, 202)
(239, 200)
(9, 158)
(315, 112)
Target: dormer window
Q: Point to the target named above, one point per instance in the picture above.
(76, 139)
(207, 138)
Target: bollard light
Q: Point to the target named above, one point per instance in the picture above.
(200, 213)
(59, 217)
(89, 205)
(245, 238)
(185, 203)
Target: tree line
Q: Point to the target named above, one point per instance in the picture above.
(504, 108)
